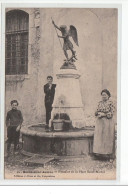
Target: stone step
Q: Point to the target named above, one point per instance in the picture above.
(38, 160)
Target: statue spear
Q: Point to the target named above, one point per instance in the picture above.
(57, 34)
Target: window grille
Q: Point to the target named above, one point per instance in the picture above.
(16, 42)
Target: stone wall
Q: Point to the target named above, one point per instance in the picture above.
(97, 58)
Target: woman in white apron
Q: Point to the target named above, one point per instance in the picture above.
(104, 135)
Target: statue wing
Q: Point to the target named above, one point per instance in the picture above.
(73, 33)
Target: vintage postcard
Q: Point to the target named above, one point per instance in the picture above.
(61, 93)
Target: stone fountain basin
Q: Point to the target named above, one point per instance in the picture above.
(68, 143)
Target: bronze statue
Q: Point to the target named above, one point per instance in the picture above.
(67, 45)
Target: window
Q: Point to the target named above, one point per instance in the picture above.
(16, 42)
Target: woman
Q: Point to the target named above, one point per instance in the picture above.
(103, 144)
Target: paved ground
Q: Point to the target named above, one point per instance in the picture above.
(83, 164)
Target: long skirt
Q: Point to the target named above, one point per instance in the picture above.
(104, 137)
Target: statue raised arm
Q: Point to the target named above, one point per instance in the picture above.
(67, 45)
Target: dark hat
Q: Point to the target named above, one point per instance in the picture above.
(14, 101)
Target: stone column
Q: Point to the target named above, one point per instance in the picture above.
(68, 97)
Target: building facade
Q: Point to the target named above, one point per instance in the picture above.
(33, 52)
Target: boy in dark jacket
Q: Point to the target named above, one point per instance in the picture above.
(49, 90)
(14, 121)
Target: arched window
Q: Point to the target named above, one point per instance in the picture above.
(17, 25)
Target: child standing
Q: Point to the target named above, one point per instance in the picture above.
(14, 121)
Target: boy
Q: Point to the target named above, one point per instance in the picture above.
(49, 90)
(14, 121)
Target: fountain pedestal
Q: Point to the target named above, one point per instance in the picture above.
(68, 97)
(73, 141)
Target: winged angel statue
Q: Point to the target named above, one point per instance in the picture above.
(67, 45)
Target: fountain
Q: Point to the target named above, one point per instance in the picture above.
(73, 142)
(69, 135)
